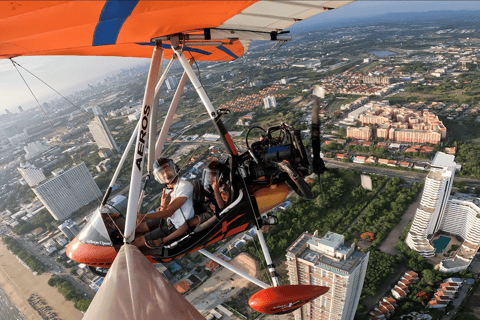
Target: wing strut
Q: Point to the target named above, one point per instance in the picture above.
(234, 269)
(139, 155)
(171, 112)
(120, 164)
(224, 136)
(153, 129)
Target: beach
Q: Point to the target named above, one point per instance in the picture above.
(19, 283)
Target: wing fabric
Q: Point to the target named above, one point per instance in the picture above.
(126, 28)
(133, 289)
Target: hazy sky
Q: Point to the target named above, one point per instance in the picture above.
(65, 72)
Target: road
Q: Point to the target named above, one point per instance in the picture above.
(388, 245)
(414, 175)
(56, 268)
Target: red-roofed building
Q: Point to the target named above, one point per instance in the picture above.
(413, 274)
(367, 143)
(383, 145)
(398, 293)
(341, 156)
(383, 310)
(406, 164)
(449, 284)
(383, 161)
(371, 160)
(411, 150)
(182, 287)
(403, 287)
(379, 314)
(452, 150)
(392, 163)
(405, 282)
(326, 143)
(212, 266)
(426, 149)
(392, 301)
(387, 305)
(359, 159)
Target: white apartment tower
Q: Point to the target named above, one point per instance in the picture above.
(327, 262)
(68, 192)
(33, 149)
(427, 220)
(457, 215)
(171, 83)
(102, 135)
(70, 229)
(31, 174)
(269, 102)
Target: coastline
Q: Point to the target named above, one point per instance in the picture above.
(19, 283)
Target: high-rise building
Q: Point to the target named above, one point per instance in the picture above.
(457, 215)
(102, 135)
(33, 149)
(10, 131)
(16, 139)
(270, 102)
(31, 174)
(70, 229)
(327, 262)
(438, 185)
(171, 83)
(68, 192)
(20, 109)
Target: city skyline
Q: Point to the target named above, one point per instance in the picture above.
(57, 70)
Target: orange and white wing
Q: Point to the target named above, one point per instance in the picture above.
(127, 28)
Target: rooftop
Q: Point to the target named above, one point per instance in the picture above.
(304, 248)
(443, 160)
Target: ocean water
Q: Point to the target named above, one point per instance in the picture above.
(9, 311)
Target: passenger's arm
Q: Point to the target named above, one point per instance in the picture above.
(216, 193)
(167, 212)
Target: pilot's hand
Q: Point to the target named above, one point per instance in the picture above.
(215, 184)
(165, 199)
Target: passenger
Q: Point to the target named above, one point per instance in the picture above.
(215, 183)
(168, 222)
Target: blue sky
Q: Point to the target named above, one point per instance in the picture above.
(64, 73)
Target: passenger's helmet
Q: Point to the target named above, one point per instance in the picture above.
(214, 170)
(165, 170)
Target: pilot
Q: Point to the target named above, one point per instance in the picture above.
(169, 221)
(215, 182)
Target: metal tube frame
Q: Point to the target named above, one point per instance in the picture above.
(268, 259)
(138, 159)
(224, 135)
(153, 129)
(171, 112)
(234, 269)
(120, 164)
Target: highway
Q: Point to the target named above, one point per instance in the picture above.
(414, 175)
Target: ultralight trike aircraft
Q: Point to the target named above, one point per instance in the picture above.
(260, 177)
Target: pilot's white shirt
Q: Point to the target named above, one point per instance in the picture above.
(183, 188)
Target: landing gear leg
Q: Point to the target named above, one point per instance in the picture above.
(271, 267)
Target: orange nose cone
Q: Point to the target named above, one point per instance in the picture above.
(91, 255)
(284, 299)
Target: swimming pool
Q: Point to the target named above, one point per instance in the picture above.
(441, 243)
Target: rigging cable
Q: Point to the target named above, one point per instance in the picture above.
(54, 129)
(73, 104)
